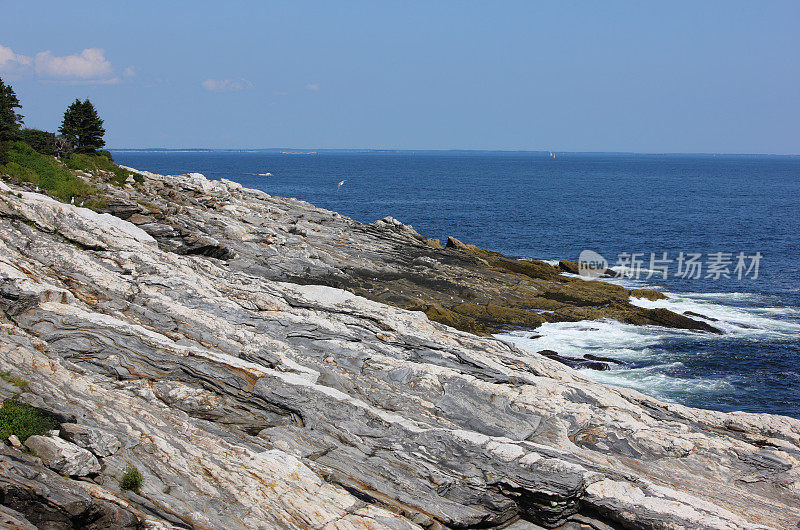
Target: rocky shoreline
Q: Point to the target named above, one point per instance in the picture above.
(267, 364)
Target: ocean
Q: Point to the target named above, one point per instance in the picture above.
(718, 233)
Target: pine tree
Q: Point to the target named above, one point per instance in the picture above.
(10, 121)
(71, 124)
(83, 127)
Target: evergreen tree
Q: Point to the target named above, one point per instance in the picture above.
(71, 124)
(42, 141)
(10, 121)
(83, 127)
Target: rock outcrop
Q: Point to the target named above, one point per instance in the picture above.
(63, 457)
(387, 261)
(267, 385)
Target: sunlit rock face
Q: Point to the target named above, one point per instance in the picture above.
(216, 340)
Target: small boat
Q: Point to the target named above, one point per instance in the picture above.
(264, 174)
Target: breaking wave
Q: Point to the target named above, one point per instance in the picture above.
(678, 365)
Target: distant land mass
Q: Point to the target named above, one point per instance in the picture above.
(532, 152)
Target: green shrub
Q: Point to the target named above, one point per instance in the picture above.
(131, 479)
(16, 381)
(23, 420)
(106, 154)
(25, 164)
(42, 141)
(98, 162)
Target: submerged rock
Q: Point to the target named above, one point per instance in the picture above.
(575, 362)
(698, 315)
(592, 357)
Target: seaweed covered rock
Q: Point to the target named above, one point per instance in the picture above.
(648, 294)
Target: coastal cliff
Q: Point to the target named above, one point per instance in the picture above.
(263, 363)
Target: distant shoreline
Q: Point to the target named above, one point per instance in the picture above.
(286, 151)
(162, 150)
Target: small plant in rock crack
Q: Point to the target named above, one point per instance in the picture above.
(16, 381)
(131, 479)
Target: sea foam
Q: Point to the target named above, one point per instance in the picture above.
(652, 353)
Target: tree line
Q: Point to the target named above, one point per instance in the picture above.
(81, 129)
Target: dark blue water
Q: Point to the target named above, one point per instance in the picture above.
(534, 205)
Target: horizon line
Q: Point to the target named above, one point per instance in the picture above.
(405, 150)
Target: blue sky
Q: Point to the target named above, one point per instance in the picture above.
(568, 76)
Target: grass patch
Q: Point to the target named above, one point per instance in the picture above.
(16, 381)
(25, 164)
(102, 162)
(23, 420)
(98, 204)
(131, 479)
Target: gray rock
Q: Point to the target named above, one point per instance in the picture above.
(10, 518)
(100, 442)
(34, 495)
(62, 456)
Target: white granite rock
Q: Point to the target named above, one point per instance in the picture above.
(62, 456)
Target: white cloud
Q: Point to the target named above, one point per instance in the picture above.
(89, 64)
(219, 85)
(88, 67)
(313, 86)
(10, 60)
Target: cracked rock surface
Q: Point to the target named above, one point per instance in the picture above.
(206, 343)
